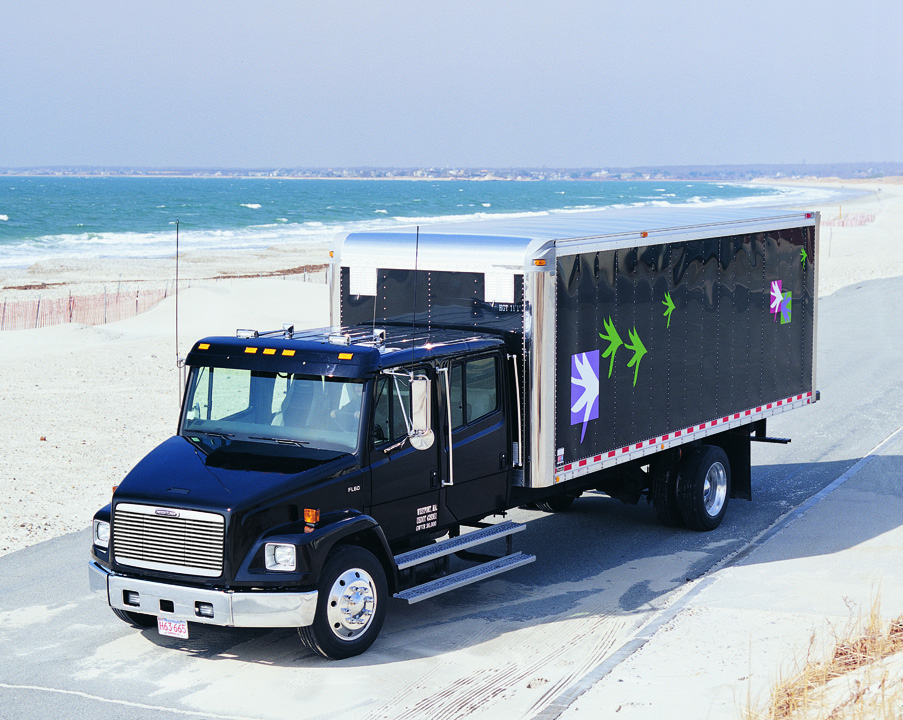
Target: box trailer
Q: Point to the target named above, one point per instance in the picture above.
(469, 369)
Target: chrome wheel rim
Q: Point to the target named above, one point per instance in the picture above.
(351, 604)
(714, 492)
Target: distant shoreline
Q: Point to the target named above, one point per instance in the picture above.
(861, 172)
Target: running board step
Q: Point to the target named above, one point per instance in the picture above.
(453, 545)
(465, 577)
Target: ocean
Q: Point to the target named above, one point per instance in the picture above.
(43, 218)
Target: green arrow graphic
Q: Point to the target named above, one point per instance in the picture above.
(669, 307)
(639, 350)
(804, 256)
(614, 341)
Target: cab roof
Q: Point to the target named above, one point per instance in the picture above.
(352, 352)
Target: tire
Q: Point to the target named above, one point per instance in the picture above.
(704, 488)
(352, 595)
(134, 619)
(556, 503)
(664, 492)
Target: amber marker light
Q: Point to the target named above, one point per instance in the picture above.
(346, 356)
(644, 234)
(311, 518)
(269, 351)
(288, 353)
(204, 346)
(539, 263)
(250, 350)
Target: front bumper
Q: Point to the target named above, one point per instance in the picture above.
(229, 608)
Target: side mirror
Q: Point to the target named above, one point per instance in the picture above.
(421, 435)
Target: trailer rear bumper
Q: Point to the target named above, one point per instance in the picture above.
(212, 607)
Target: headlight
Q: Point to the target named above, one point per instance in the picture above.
(280, 557)
(101, 533)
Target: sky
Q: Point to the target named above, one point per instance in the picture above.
(449, 83)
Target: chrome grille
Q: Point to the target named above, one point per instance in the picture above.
(168, 539)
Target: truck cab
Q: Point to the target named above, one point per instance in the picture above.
(292, 446)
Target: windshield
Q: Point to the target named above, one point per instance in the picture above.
(307, 410)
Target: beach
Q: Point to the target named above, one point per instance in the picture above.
(84, 403)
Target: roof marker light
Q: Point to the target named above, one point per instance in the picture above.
(339, 339)
(204, 346)
(346, 356)
(644, 234)
(250, 350)
(288, 353)
(269, 351)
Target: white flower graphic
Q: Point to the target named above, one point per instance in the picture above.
(585, 381)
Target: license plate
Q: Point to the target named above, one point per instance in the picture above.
(172, 628)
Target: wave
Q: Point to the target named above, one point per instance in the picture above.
(252, 206)
(93, 245)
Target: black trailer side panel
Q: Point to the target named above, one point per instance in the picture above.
(664, 337)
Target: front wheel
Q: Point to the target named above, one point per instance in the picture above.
(351, 604)
(704, 488)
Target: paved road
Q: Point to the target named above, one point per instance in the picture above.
(507, 647)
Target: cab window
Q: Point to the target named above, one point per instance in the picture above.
(474, 390)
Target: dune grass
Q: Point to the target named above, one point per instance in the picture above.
(860, 677)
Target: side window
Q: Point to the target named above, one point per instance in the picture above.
(474, 390)
(382, 421)
(388, 415)
(457, 396)
(482, 391)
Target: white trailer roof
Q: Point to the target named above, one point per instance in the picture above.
(509, 243)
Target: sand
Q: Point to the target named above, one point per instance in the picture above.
(82, 404)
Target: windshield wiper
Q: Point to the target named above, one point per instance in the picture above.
(280, 441)
(211, 433)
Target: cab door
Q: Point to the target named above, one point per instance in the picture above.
(479, 462)
(405, 482)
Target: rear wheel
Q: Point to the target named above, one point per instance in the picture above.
(704, 488)
(351, 604)
(135, 619)
(664, 492)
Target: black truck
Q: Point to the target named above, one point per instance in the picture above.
(469, 370)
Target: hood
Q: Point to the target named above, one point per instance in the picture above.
(179, 472)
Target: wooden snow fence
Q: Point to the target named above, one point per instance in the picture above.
(85, 309)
